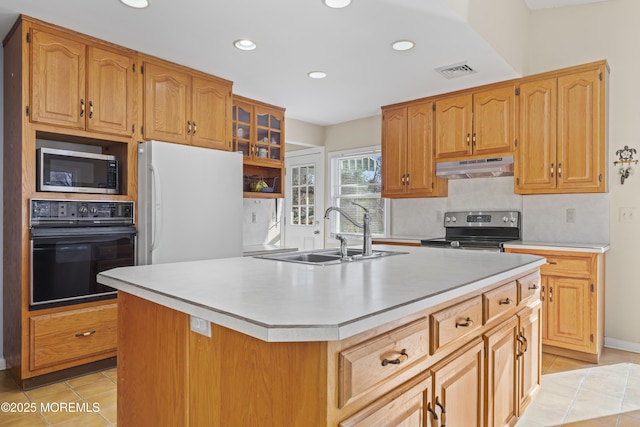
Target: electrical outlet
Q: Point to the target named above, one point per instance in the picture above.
(200, 326)
(571, 215)
(626, 214)
(253, 217)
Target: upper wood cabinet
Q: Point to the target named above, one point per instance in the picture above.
(478, 123)
(408, 164)
(258, 133)
(80, 86)
(561, 141)
(186, 108)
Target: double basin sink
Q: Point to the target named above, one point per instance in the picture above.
(327, 256)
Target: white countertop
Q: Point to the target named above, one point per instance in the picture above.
(559, 246)
(253, 250)
(283, 301)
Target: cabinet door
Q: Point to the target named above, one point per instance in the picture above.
(453, 126)
(420, 151)
(580, 134)
(167, 98)
(57, 80)
(394, 152)
(459, 387)
(568, 315)
(110, 92)
(242, 125)
(529, 355)
(210, 113)
(502, 396)
(402, 407)
(269, 128)
(536, 163)
(494, 113)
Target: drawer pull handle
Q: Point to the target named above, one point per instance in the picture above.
(86, 334)
(552, 262)
(430, 409)
(533, 287)
(403, 356)
(504, 302)
(467, 322)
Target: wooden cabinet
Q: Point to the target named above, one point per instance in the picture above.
(80, 86)
(184, 107)
(458, 387)
(561, 135)
(258, 133)
(502, 374)
(408, 164)
(529, 354)
(404, 407)
(476, 123)
(70, 335)
(573, 303)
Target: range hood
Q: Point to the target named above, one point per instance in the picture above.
(475, 168)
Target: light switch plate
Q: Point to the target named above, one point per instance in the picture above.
(201, 326)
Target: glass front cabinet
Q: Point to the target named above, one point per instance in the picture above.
(258, 133)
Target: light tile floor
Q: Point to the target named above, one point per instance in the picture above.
(581, 394)
(573, 393)
(92, 401)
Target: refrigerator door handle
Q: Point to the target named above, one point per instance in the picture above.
(156, 202)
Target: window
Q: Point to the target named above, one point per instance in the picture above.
(303, 188)
(356, 176)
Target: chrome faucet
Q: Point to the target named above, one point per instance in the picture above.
(366, 226)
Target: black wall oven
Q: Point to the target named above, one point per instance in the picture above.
(71, 242)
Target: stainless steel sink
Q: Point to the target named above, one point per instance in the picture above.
(326, 256)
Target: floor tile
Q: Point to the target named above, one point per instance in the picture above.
(84, 420)
(87, 391)
(38, 393)
(6, 382)
(86, 379)
(110, 413)
(27, 420)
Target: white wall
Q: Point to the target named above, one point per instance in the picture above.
(573, 35)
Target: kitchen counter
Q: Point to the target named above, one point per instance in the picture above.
(278, 301)
(559, 246)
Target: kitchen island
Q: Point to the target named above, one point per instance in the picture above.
(358, 343)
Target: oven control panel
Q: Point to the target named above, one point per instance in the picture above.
(482, 219)
(80, 212)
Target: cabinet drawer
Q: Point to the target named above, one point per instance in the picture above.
(455, 322)
(528, 285)
(567, 265)
(499, 300)
(63, 337)
(366, 365)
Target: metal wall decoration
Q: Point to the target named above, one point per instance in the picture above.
(626, 158)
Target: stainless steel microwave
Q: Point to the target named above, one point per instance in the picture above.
(76, 172)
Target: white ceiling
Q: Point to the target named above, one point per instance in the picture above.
(294, 37)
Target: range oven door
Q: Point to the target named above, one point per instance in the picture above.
(66, 260)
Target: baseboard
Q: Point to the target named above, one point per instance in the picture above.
(3, 364)
(622, 345)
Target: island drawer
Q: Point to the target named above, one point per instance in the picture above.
(62, 337)
(365, 366)
(528, 285)
(455, 322)
(499, 300)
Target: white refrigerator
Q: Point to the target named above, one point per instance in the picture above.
(189, 203)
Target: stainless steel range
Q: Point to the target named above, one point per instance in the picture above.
(478, 230)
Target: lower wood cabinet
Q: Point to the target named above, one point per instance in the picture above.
(68, 336)
(572, 297)
(420, 370)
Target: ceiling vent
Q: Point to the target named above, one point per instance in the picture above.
(457, 70)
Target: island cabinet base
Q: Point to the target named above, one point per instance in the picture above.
(451, 360)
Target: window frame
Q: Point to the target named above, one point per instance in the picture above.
(333, 178)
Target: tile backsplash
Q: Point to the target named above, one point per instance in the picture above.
(544, 217)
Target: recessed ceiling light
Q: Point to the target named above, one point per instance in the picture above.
(244, 44)
(136, 4)
(317, 74)
(337, 4)
(403, 45)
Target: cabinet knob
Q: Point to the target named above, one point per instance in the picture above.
(91, 109)
(81, 107)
